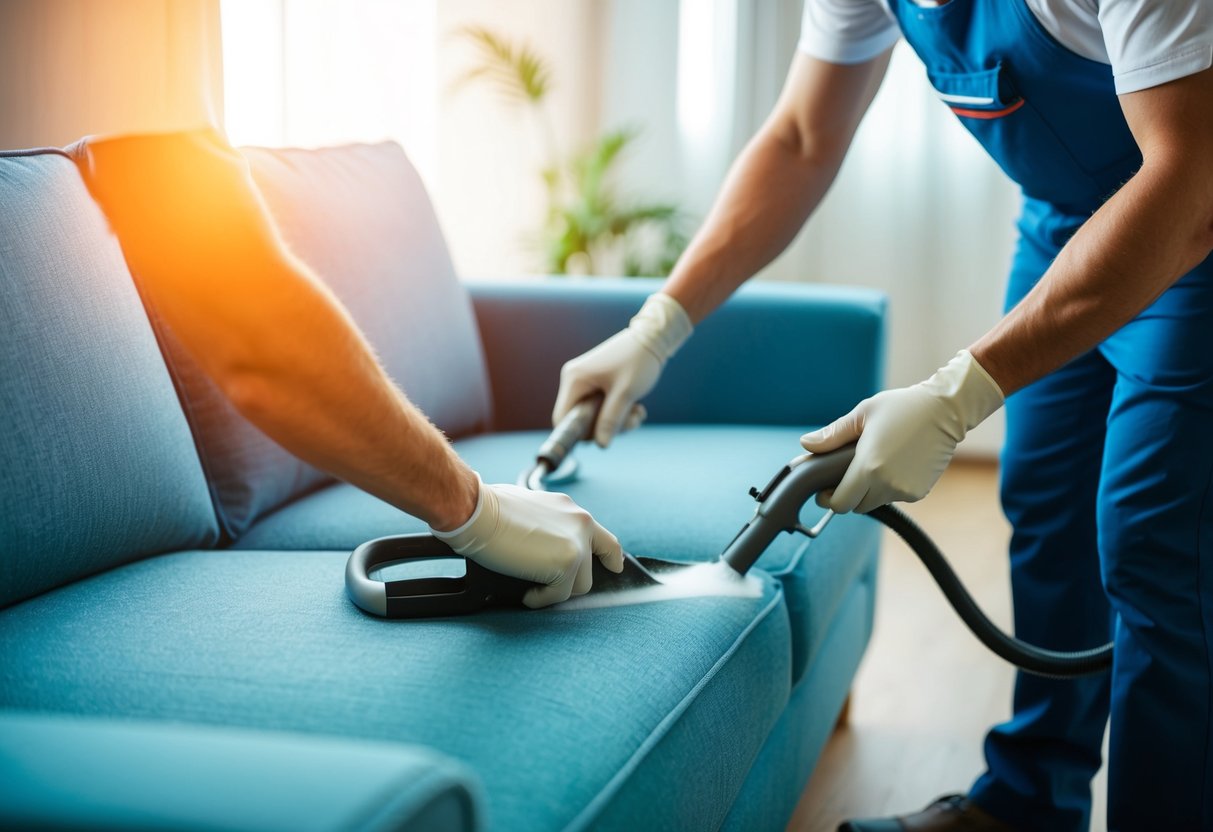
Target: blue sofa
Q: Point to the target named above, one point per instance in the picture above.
(176, 648)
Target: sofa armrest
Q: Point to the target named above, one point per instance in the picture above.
(774, 354)
(88, 773)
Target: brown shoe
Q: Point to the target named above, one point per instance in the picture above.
(952, 813)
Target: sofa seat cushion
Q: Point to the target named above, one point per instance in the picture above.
(571, 718)
(676, 492)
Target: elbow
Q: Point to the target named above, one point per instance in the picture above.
(1201, 184)
(1202, 239)
(1206, 229)
(251, 390)
(804, 146)
(1188, 188)
(256, 371)
(1200, 242)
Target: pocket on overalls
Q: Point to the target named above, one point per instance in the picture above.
(1006, 124)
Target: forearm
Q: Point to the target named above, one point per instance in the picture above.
(777, 181)
(210, 262)
(1148, 235)
(766, 198)
(312, 383)
(1153, 231)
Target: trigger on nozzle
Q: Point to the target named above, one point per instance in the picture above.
(818, 527)
(760, 496)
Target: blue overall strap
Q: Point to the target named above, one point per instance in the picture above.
(1049, 117)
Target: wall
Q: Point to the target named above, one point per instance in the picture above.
(489, 153)
(70, 68)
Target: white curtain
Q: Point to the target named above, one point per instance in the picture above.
(322, 72)
(918, 210)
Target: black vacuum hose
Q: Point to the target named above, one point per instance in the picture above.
(780, 503)
(1036, 660)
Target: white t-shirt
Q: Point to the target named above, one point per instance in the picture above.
(1146, 42)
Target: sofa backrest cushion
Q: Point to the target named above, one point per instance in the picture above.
(97, 464)
(360, 218)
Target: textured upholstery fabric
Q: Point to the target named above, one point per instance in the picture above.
(676, 492)
(774, 354)
(550, 708)
(360, 218)
(68, 772)
(782, 770)
(97, 465)
(248, 473)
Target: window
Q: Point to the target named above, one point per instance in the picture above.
(321, 72)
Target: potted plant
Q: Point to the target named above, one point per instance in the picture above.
(587, 222)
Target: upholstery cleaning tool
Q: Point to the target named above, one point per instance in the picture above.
(779, 505)
(477, 587)
(553, 458)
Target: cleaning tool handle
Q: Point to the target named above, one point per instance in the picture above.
(779, 503)
(476, 589)
(577, 424)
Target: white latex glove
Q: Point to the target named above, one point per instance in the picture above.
(537, 536)
(906, 437)
(625, 367)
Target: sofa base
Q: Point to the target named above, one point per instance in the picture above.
(782, 770)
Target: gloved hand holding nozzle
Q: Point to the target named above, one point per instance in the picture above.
(905, 438)
(625, 367)
(538, 536)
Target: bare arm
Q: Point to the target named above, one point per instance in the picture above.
(271, 335)
(777, 181)
(1153, 231)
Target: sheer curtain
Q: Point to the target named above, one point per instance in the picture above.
(322, 72)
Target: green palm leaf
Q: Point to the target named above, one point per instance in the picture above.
(585, 217)
(516, 71)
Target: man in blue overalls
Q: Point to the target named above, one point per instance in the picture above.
(1102, 111)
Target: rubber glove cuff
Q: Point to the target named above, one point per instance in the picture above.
(906, 437)
(469, 538)
(661, 326)
(969, 391)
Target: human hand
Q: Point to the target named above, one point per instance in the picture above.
(906, 437)
(625, 367)
(537, 536)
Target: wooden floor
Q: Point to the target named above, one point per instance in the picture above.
(927, 690)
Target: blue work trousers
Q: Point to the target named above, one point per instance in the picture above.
(1106, 477)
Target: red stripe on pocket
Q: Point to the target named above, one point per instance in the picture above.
(1005, 111)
